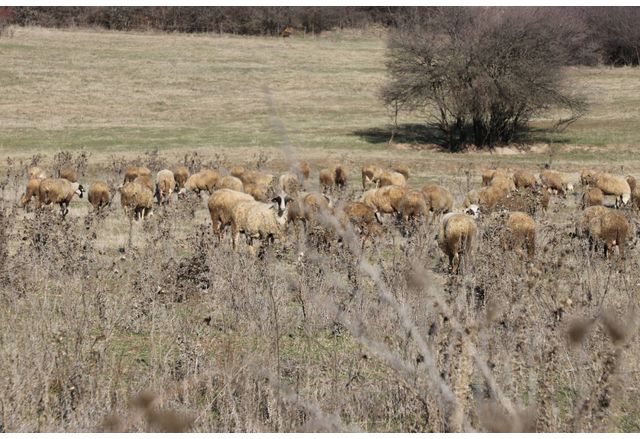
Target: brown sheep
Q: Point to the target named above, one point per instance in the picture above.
(230, 182)
(592, 197)
(303, 169)
(33, 189)
(631, 180)
(165, 184)
(99, 196)
(588, 177)
(68, 174)
(289, 183)
(362, 217)
(402, 169)
(521, 232)
(132, 172)
(487, 197)
(613, 185)
(237, 171)
(205, 180)
(439, 200)
(255, 177)
(384, 200)
(612, 228)
(136, 199)
(413, 205)
(555, 182)
(257, 191)
(144, 180)
(524, 179)
(59, 191)
(220, 204)
(306, 208)
(456, 236)
(504, 182)
(489, 174)
(370, 175)
(582, 228)
(181, 175)
(388, 178)
(335, 176)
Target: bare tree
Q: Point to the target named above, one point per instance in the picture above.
(482, 73)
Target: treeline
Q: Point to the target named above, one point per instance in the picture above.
(608, 35)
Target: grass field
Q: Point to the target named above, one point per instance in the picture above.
(108, 324)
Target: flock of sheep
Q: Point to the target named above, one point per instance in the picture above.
(263, 207)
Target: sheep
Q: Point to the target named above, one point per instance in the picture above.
(456, 236)
(555, 182)
(613, 185)
(588, 177)
(33, 189)
(439, 200)
(136, 199)
(592, 197)
(487, 197)
(60, 191)
(612, 228)
(68, 174)
(504, 182)
(370, 174)
(289, 183)
(180, 174)
(524, 179)
(412, 205)
(205, 180)
(582, 227)
(305, 208)
(255, 177)
(362, 217)
(388, 178)
(303, 170)
(132, 172)
(99, 196)
(635, 197)
(145, 180)
(165, 184)
(257, 191)
(402, 169)
(230, 182)
(237, 171)
(220, 204)
(489, 174)
(527, 200)
(384, 200)
(632, 182)
(36, 173)
(521, 231)
(259, 220)
(335, 176)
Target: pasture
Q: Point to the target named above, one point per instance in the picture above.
(108, 324)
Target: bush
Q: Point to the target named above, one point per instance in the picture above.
(482, 73)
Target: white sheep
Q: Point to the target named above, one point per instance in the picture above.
(257, 220)
(60, 191)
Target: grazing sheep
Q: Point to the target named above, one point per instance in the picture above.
(455, 238)
(205, 180)
(237, 171)
(504, 182)
(612, 228)
(524, 179)
(68, 174)
(412, 205)
(181, 175)
(555, 182)
(521, 232)
(289, 183)
(257, 191)
(305, 209)
(136, 199)
(362, 217)
(336, 176)
(588, 177)
(99, 196)
(613, 185)
(230, 182)
(388, 178)
(132, 172)
(489, 174)
(439, 200)
(632, 182)
(165, 184)
(144, 180)
(592, 197)
(582, 228)
(33, 189)
(370, 175)
(486, 197)
(384, 200)
(220, 204)
(259, 220)
(401, 168)
(635, 197)
(303, 170)
(528, 200)
(60, 191)
(255, 177)
(36, 173)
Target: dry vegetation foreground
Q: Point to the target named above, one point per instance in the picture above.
(111, 325)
